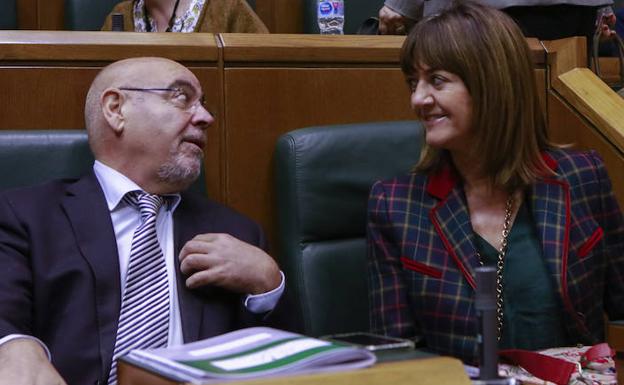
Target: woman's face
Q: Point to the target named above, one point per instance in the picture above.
(443, 103)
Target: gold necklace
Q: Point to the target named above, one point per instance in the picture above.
(500, 265)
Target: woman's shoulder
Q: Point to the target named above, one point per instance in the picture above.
(578, 166)
(571, 160)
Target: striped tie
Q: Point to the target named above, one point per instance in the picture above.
(144, 316)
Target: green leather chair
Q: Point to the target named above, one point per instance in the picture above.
(323, 177)
(29, 157)
(8, 14)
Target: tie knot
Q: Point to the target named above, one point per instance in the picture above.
(148, 204)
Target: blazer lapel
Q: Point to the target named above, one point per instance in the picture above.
(85, 206)
(451, 220)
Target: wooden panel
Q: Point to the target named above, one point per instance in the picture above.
(105, 46)
(568, 127)
(426, 371)
(27, 14)
(281, 16)
(240, 47)
(263, 103)
(51, 14)
(610, 70)
(564, 55)
(359, 49)
(595, 101)
(43, 98)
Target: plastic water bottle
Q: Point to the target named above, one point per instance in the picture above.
(331, 17)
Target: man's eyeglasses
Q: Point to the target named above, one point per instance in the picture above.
(180, 98)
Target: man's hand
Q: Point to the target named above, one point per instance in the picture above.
(24, 362)
(391, 22)
(224, 261)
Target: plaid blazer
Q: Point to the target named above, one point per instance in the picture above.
(422, 257)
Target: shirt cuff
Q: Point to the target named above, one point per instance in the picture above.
(265, 302)
(12, 337)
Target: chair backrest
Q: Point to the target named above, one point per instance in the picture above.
(323, 178)
(8, 14)
(87, 15)
(29, 157)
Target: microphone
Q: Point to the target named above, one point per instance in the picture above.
(485, 304)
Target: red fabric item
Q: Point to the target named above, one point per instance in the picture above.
(542, 366)
(551, 368)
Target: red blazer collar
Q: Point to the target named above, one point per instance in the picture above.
(441, 183)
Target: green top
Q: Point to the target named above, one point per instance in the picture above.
(531, 308)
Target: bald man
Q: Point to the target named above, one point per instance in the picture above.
(68, 250)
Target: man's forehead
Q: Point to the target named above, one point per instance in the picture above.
(160, 73)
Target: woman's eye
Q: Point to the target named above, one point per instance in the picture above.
(437, 80)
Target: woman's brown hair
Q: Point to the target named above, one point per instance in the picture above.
(487, 50)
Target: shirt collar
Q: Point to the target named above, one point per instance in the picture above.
(116, 185)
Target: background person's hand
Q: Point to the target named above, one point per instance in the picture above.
(225, 261)
(391, 22)
(606, 24)
(24, 362)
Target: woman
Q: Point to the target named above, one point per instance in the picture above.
(215, 16)
(490, 189)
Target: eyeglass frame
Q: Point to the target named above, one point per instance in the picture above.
(192, 108)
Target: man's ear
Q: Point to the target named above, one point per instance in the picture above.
(112, 101)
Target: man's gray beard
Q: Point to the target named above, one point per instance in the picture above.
(175, 173)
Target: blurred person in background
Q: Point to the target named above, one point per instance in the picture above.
(215, 16)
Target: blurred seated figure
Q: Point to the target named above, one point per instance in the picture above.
(215, 16)
(543, 19)
(490, 189)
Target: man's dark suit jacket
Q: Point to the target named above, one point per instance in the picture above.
(60, 282)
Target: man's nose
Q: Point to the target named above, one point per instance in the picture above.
(202, 117)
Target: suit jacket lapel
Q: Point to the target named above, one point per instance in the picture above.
(86, 209)
(451, 220)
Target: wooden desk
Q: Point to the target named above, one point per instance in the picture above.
(428, 371)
